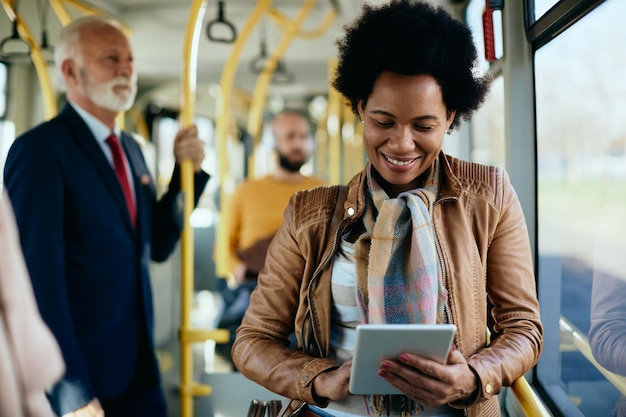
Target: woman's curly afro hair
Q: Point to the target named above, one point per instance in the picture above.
(411, 38)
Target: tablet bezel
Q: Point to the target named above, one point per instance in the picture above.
(375, 342)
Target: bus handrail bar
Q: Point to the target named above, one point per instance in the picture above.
(581, 343)
(527, 398)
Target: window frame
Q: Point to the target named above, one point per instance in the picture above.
(558, 18)
(540, 32)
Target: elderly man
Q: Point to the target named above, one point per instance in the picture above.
(90, 222)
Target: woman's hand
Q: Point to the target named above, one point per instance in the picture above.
(429, 382)
(334, 384)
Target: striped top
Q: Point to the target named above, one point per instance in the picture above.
(345, 314)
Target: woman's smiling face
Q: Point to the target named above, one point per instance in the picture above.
(404, 119)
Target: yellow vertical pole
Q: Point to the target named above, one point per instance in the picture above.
(347, 139)
(333, 123)
(321, 147)
(188, 335)
(356, 154)
(188, 90)
(222, 124)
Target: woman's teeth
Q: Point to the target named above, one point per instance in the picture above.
(399, 163)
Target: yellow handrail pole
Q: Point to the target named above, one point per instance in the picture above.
(326, 23)
(347, 139)
(47, 90)
(222, 123)
(61, 12)
(188, 89)
(356, 153)
(528, 400)
(259, 96)
(581, 343)
(63, 15)
(321, 147)
(333, 122)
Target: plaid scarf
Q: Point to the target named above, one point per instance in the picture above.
(398, 275)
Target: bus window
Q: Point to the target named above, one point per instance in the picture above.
(581, 204)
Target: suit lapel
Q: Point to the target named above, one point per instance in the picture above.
(140, 174)
(83, 137)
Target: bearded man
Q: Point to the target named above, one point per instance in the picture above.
(256, 207)
(256, 210)
(90, 223)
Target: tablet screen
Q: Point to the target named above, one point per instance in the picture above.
(375, 342)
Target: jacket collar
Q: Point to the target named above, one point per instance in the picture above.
(450, 187)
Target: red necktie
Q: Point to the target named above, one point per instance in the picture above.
(122, 176)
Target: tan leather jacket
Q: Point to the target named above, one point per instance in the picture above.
(484, 252)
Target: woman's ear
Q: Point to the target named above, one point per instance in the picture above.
(360, 107)
(450, 118)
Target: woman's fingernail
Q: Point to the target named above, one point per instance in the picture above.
(382, 373)
(404, 357)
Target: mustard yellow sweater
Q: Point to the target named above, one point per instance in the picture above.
(256, 210)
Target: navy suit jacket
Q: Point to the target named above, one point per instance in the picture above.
(89, 266)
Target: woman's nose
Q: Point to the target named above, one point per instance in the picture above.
(402, 139)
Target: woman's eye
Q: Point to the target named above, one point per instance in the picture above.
(422, 128)
(384, 124)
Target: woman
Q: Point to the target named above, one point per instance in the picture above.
(408, 71)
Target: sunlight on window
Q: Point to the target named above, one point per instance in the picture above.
(581, 168)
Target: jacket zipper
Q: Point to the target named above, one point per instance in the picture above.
(316, 274)
(446, 309)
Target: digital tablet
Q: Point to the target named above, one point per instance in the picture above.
(375, 342)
